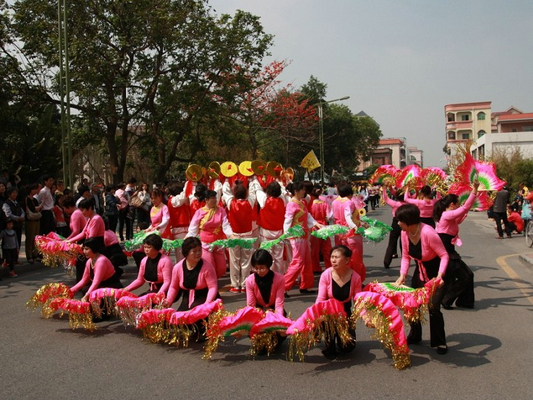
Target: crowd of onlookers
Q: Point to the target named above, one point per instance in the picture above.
(511, 216)
(39, 208)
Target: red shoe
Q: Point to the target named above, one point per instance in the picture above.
(243, 290)
(235, 290)
(12, 274)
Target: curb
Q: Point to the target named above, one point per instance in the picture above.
(526, 259)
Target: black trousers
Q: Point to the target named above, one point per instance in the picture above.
(47, 222)
(499, 217)
(393, 242)
(459, 276)
(436, 319)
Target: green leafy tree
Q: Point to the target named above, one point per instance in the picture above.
(143, 72)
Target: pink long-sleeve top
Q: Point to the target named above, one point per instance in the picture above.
(394, 204)
(431, 247)
(159, 216)
(164, 274)
(296, 214)
(212, 224)
(425, 206)
(94, 227)
(110, 238)
(206, 279)
(277, 293)
(325, 286)
(450, 220)
(103, 270)
(77, 223)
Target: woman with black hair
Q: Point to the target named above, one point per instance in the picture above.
(425, 204)
(421, 243)
(296, 214)
(194, 279)
(211, 223)
(99, 271)
(448, 215)
(155, 268)
(342, 283)
(265, 288)
(392, 247)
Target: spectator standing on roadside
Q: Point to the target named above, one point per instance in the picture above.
(111, 207)
(123, 210)
(499, 210)
(46, 199)
(33, 221)
(14, 211)
(10, 246)
(96, 194)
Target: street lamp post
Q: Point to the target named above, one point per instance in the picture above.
(321, 131)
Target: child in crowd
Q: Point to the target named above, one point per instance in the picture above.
(516, 223)
(10, 246)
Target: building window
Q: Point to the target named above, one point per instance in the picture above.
(481, 116)
(527, 128)
(513, 130)
(481, 133)
(465, 117)
(451, 117)
(465, 136)
(451, 135)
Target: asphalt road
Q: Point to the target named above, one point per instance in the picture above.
(490, 352)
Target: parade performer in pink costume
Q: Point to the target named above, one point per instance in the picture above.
(211, 222)
(94, 228)
(426, 205)
(98, 270)
(296, 214)
(339, 282)
(449, 215)
(321, 212)
(155, 268)
(239, 204)
(265, 288)
(346, 214)
(159, 215)
(421, 243)
(270, 220)
(392, 247)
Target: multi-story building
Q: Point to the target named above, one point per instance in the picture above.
(391, 151)
(466, 122)
(503, 131)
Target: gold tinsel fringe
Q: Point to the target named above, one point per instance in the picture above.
(214, 336)
(375, 318)
(85, 321)
(263, 341)
(330, 325)
(44, 296)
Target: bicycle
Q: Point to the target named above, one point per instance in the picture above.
(529, 234)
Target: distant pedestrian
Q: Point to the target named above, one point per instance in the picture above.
(10, 246)
(499, 211)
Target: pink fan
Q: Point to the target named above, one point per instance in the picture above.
(130, 306)
(379, 312)
(433, 176)
(410, 301)
(383, 173)
(79, 313)
(196, 314)
(272, 322)
(409, 176)
(485, 172)
(482, 202)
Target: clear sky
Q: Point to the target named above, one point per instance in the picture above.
(401, 61)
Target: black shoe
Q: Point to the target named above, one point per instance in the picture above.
(447, 307)
(411, 340)
(442, 349)
(386, 266)
(307, 291)
(287, 295)
(329, 354)
(395, 256)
